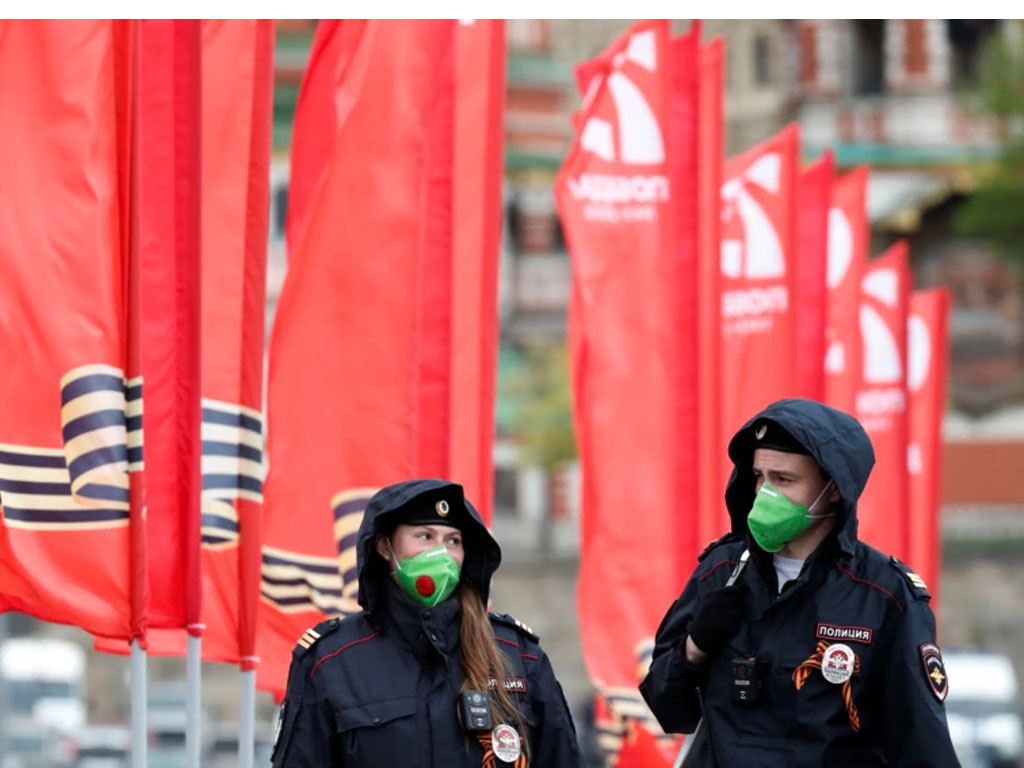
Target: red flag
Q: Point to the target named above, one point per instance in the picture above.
(810, 306)
(70, 425)
(476, 207)
(640, 749)
(711, 133)
(758, 355)
(168, 162)
(237, 83)
(361, 351)
(882, 509)
(848, 244)
(927, 370)
(618, 193)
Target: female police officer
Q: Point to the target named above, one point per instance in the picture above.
(423, 676)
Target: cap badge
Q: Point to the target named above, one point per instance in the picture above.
(760, 432)
(442, 508)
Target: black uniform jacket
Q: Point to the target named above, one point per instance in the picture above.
(847, 593)
(381, 688)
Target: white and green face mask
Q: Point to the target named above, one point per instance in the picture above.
(429, 577)
(774, 520)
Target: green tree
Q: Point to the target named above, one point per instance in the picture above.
(995, 209)
(543, 419)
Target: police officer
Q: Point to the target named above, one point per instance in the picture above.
(423, 676)
(823, 652)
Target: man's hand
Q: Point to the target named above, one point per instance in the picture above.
(716, 620)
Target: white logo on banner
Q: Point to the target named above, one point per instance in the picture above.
(757, 255)
(618, 197)
(883, 361)
(840, 256)
(640, 140)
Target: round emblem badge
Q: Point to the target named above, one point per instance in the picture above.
(837, 663)
(442, 508)
(505, 743)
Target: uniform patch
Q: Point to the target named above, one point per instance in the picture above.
(508, 620)
(837, 663)
(934, 670)
(514, 684)
(309, 637)
(836, 632)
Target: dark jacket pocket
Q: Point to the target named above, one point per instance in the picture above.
(379, 733)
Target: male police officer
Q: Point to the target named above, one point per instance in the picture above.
(823, 652)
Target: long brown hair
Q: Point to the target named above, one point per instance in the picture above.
(482, 662)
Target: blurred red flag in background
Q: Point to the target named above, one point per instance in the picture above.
(758, 262)
(166, 161)
(882, 509)
(810, 304)
(620, 194)
(848, 245)
(237, 71)
(927, 374)
(711, 137)
(360, 389)
(71, 420)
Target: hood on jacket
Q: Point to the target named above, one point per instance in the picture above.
(482, 553)
(836, 440)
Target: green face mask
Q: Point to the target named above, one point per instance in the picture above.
(429, 577)
(774, 520)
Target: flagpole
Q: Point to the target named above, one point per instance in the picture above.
(246, 719)
(138, 706)
(3, 688)
(193, 678)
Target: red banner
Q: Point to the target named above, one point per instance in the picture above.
(758, 358)
(168, 163)
(927, 372)
(476, 238)
(237, 72)
(810, 307)
(362, 346)
(619, 194)
(881, 408)
(71, 420)
(713, 518)
(848, 246)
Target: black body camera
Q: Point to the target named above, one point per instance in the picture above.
(476, 711)
(746, 681)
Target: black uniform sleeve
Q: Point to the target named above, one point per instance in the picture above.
(307, 735)
(554, 733)
(914, 719)
(670, 688)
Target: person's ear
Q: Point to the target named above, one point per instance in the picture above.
(383, 547)
(833, 495)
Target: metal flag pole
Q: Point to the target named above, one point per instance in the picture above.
(138, 706)
(3, 690)
(193, 698)
(246, 719)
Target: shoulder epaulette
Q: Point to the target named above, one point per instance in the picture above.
(512, 621)
(917, 584)
(720, 540)
(313, 635)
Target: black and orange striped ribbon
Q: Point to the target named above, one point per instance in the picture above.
(490, 759)
(801, 673)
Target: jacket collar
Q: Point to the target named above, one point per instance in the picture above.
(422, 630)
